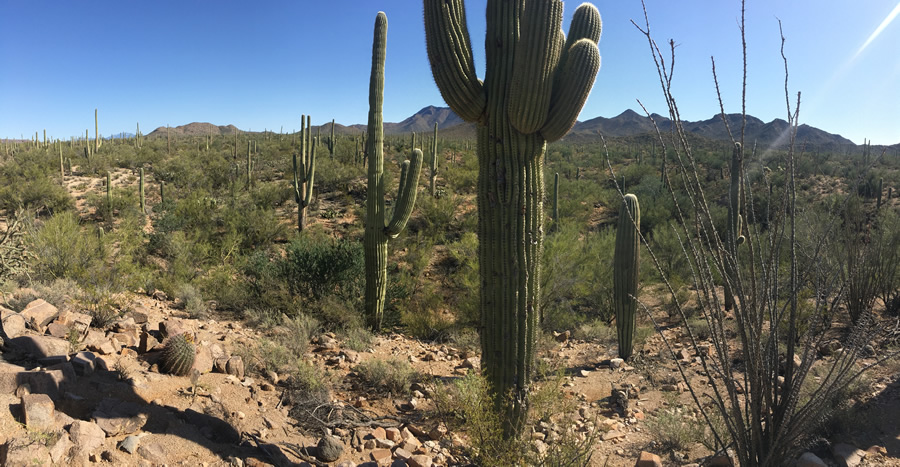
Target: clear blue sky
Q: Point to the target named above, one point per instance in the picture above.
(262, 64)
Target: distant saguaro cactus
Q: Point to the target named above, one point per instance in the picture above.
(377, 233)
(96, 132)
(434, 159)
(304, 172)
(626, 262)
(141, 189)
(536, 83)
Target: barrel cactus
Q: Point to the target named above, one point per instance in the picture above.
(178, 355)
(535, 85)
(377, 234)
(625, 273)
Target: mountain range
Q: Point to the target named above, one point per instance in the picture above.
(628, 123)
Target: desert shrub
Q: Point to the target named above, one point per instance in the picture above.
(461, 268)
(316, 267)
(393, 375)
(675, 428)
(356, 338)
(63, 250)
(191, 301)
(25, 183)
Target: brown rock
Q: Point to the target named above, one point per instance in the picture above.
(38, 410)
(235, 367)
(438, 432)
(38, 314)
(419, 460)
(14, 453)
(562, 336)
(847, 455)
(87, 436)
(381, 456)
(401, 453)
(393, 434)
(153, 452)
(147, 342)
(14, 325)
(116, 417)
(41, 346)
(610, 435)
(84, 363)
(48, 382)
(219, 364)
(203, 361)
(60, 449)
(648, 459)
(378, 433)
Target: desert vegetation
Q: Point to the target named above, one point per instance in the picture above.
(696, 299)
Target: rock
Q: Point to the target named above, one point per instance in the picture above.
(401, 453)
(61, 448)
(345, 464)
(616, 363)
(438, 432)
(719, 461)
(84, 363)
(49, 382)
(378, 433)
(648, 459)
(56, 329)
(15, 454)
(87, 436)
(419, 460)
(683, 354)
(116, 417)
(153, 452)
(171, 327)
(393, 434)
(38, 410)
(146, 342)
(470, 363)
(235, 367)
(847, 455)
(38, 314)
(381, 456)
(203, 361)
(14, 325)
(385, 444)
(329, 449)
(129, 444)
(41, 346)
(562, 336)
(610, 435)
(809, 459)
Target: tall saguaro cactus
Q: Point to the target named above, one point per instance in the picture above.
(96, 133)
(304, 172)
(625, 272)
(535, 84)
(377, 233)
(733, 232)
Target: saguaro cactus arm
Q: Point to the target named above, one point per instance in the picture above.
(450, 54)
(406, 194)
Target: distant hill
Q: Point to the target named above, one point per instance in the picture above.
(628, 123)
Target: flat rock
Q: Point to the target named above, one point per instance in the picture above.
(16, 453)
(847, 455)
(154, 452)
(41, 346)
(84, 363)
(648, 459)
(49, 382)
(61, 448)
(116, 417)
(38, 314)
(419, 460)
(129, 444)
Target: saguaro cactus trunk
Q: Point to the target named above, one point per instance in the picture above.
(625, 272)
(434, 159)
(535, 85)
(377, 234)
(304, 172)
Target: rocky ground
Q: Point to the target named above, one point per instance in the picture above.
(79, 395)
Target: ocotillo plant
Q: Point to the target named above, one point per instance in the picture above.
(141, 191)
(625, 272)
(535, 85)
(304, 172)
(733, 231)
(377, 234)
(434, 160)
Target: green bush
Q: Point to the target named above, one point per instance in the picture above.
(61, 249)
(393, 375)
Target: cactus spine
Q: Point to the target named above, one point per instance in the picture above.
(377, 234)
(178, 355)
(434, 160)
(141, 189)
(304, 172)
(625, 272)
(733, 236)
(535, 85)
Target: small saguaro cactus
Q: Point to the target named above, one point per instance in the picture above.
(626, 260)
(733, 236)
(535, 85)
(96, 133)
(304, 171)
(377, 233)
(331, 141)
(178, 355)
(434, 160)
